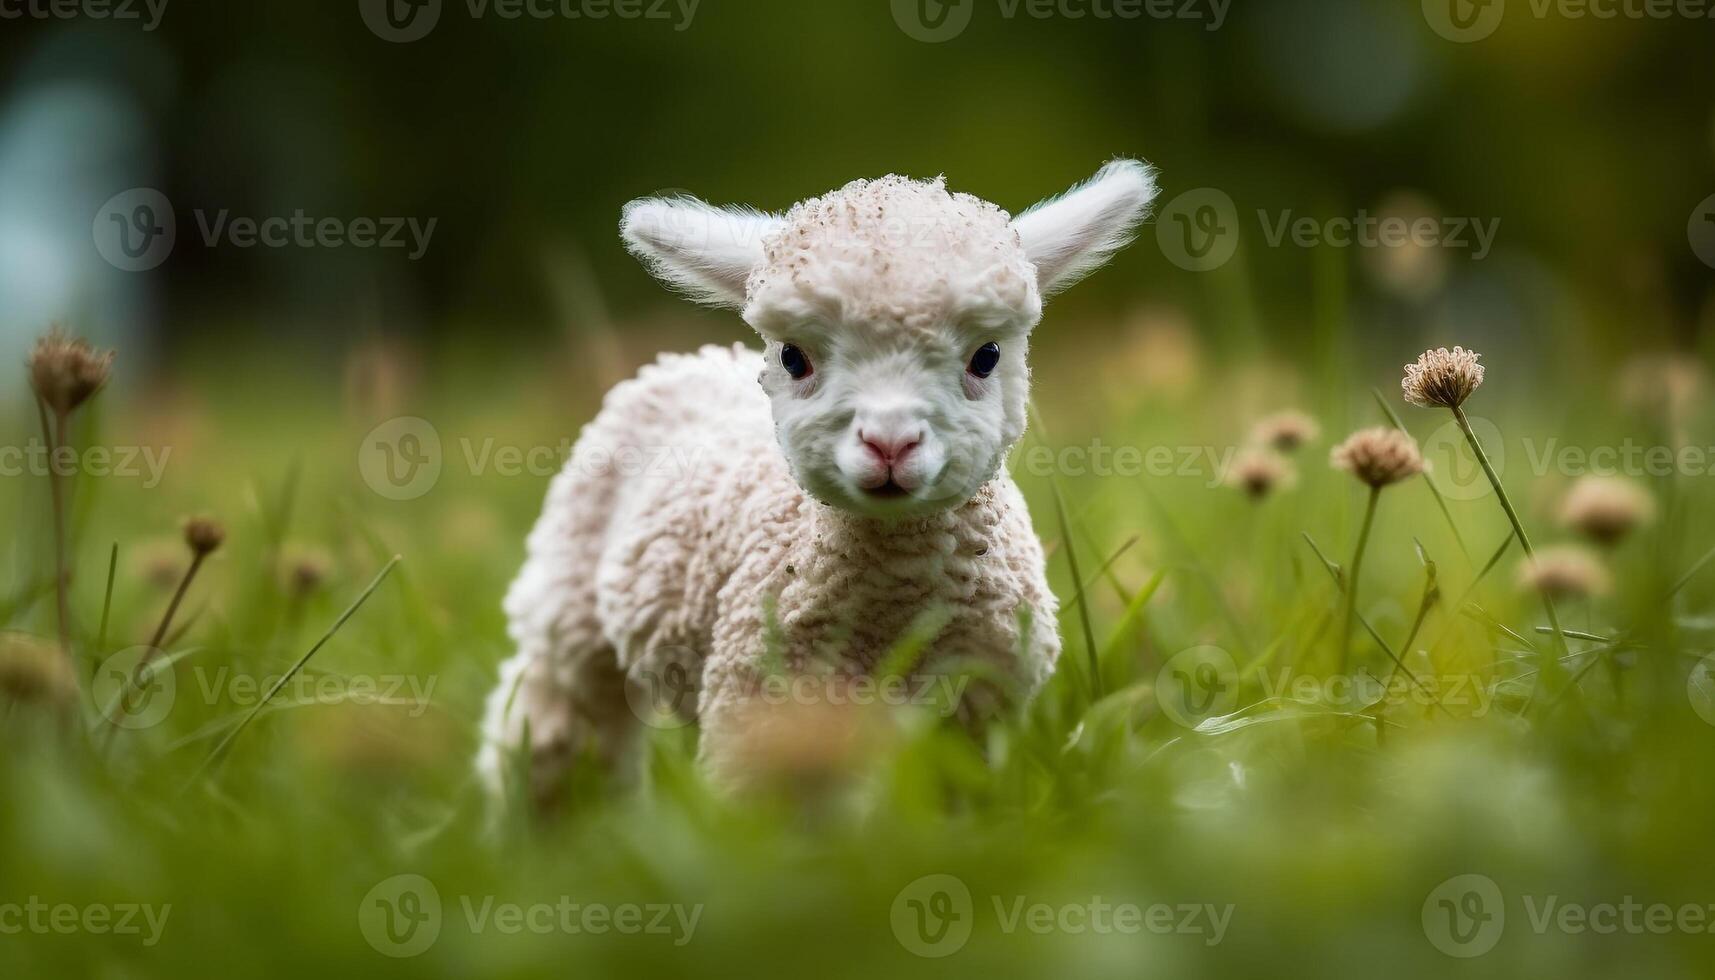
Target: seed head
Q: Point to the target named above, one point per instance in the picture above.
(1442, 378)
(34, 672)
(1664, 385)
(1565, 572)
(1606, 509)
(1379, 456)
(305, 571)
(1285, 431)
(159, 563)
(1259, 472)
(204, 535)
(65, 372)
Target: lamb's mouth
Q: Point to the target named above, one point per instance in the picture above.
(887, 491)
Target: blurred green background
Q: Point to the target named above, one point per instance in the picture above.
(1591, 141)
(259, 375)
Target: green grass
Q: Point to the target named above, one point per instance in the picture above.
(1323, 824)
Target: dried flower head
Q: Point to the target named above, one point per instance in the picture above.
(1378, 456)
(1665, 385)
(204, 535)
(305, 570)
(1285, 431)
(806, 746)
(1564, 572)
(160, 563)
(65, 372)
(1259, 472)
(34, 672)
(1606, 508)
(1442, 378)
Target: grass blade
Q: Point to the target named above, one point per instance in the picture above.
(286, 678)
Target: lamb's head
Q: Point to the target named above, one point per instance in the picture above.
(896, 318)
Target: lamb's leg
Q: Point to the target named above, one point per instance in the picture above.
(570, 703)
(564, 690)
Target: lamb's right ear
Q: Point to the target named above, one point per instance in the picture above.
(705, 251)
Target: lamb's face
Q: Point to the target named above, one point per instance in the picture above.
(890, 424)
(896, 318)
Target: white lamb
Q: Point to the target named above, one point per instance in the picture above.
(821, 513)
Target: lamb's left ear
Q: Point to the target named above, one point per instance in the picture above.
(704, 251)
(1070, 236)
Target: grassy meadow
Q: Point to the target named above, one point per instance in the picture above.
(1223, 800)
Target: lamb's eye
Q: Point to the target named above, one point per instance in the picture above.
(985, 360)
(795, 363)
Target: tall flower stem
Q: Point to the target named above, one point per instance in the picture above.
(1352, 580)
(1550, 662)
(52, 433)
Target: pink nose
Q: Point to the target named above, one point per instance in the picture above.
(890, 451)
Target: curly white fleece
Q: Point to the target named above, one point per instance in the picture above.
(892, 253)
(653, 573)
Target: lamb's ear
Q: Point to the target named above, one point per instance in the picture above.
(705, 251)
(1070, 236)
